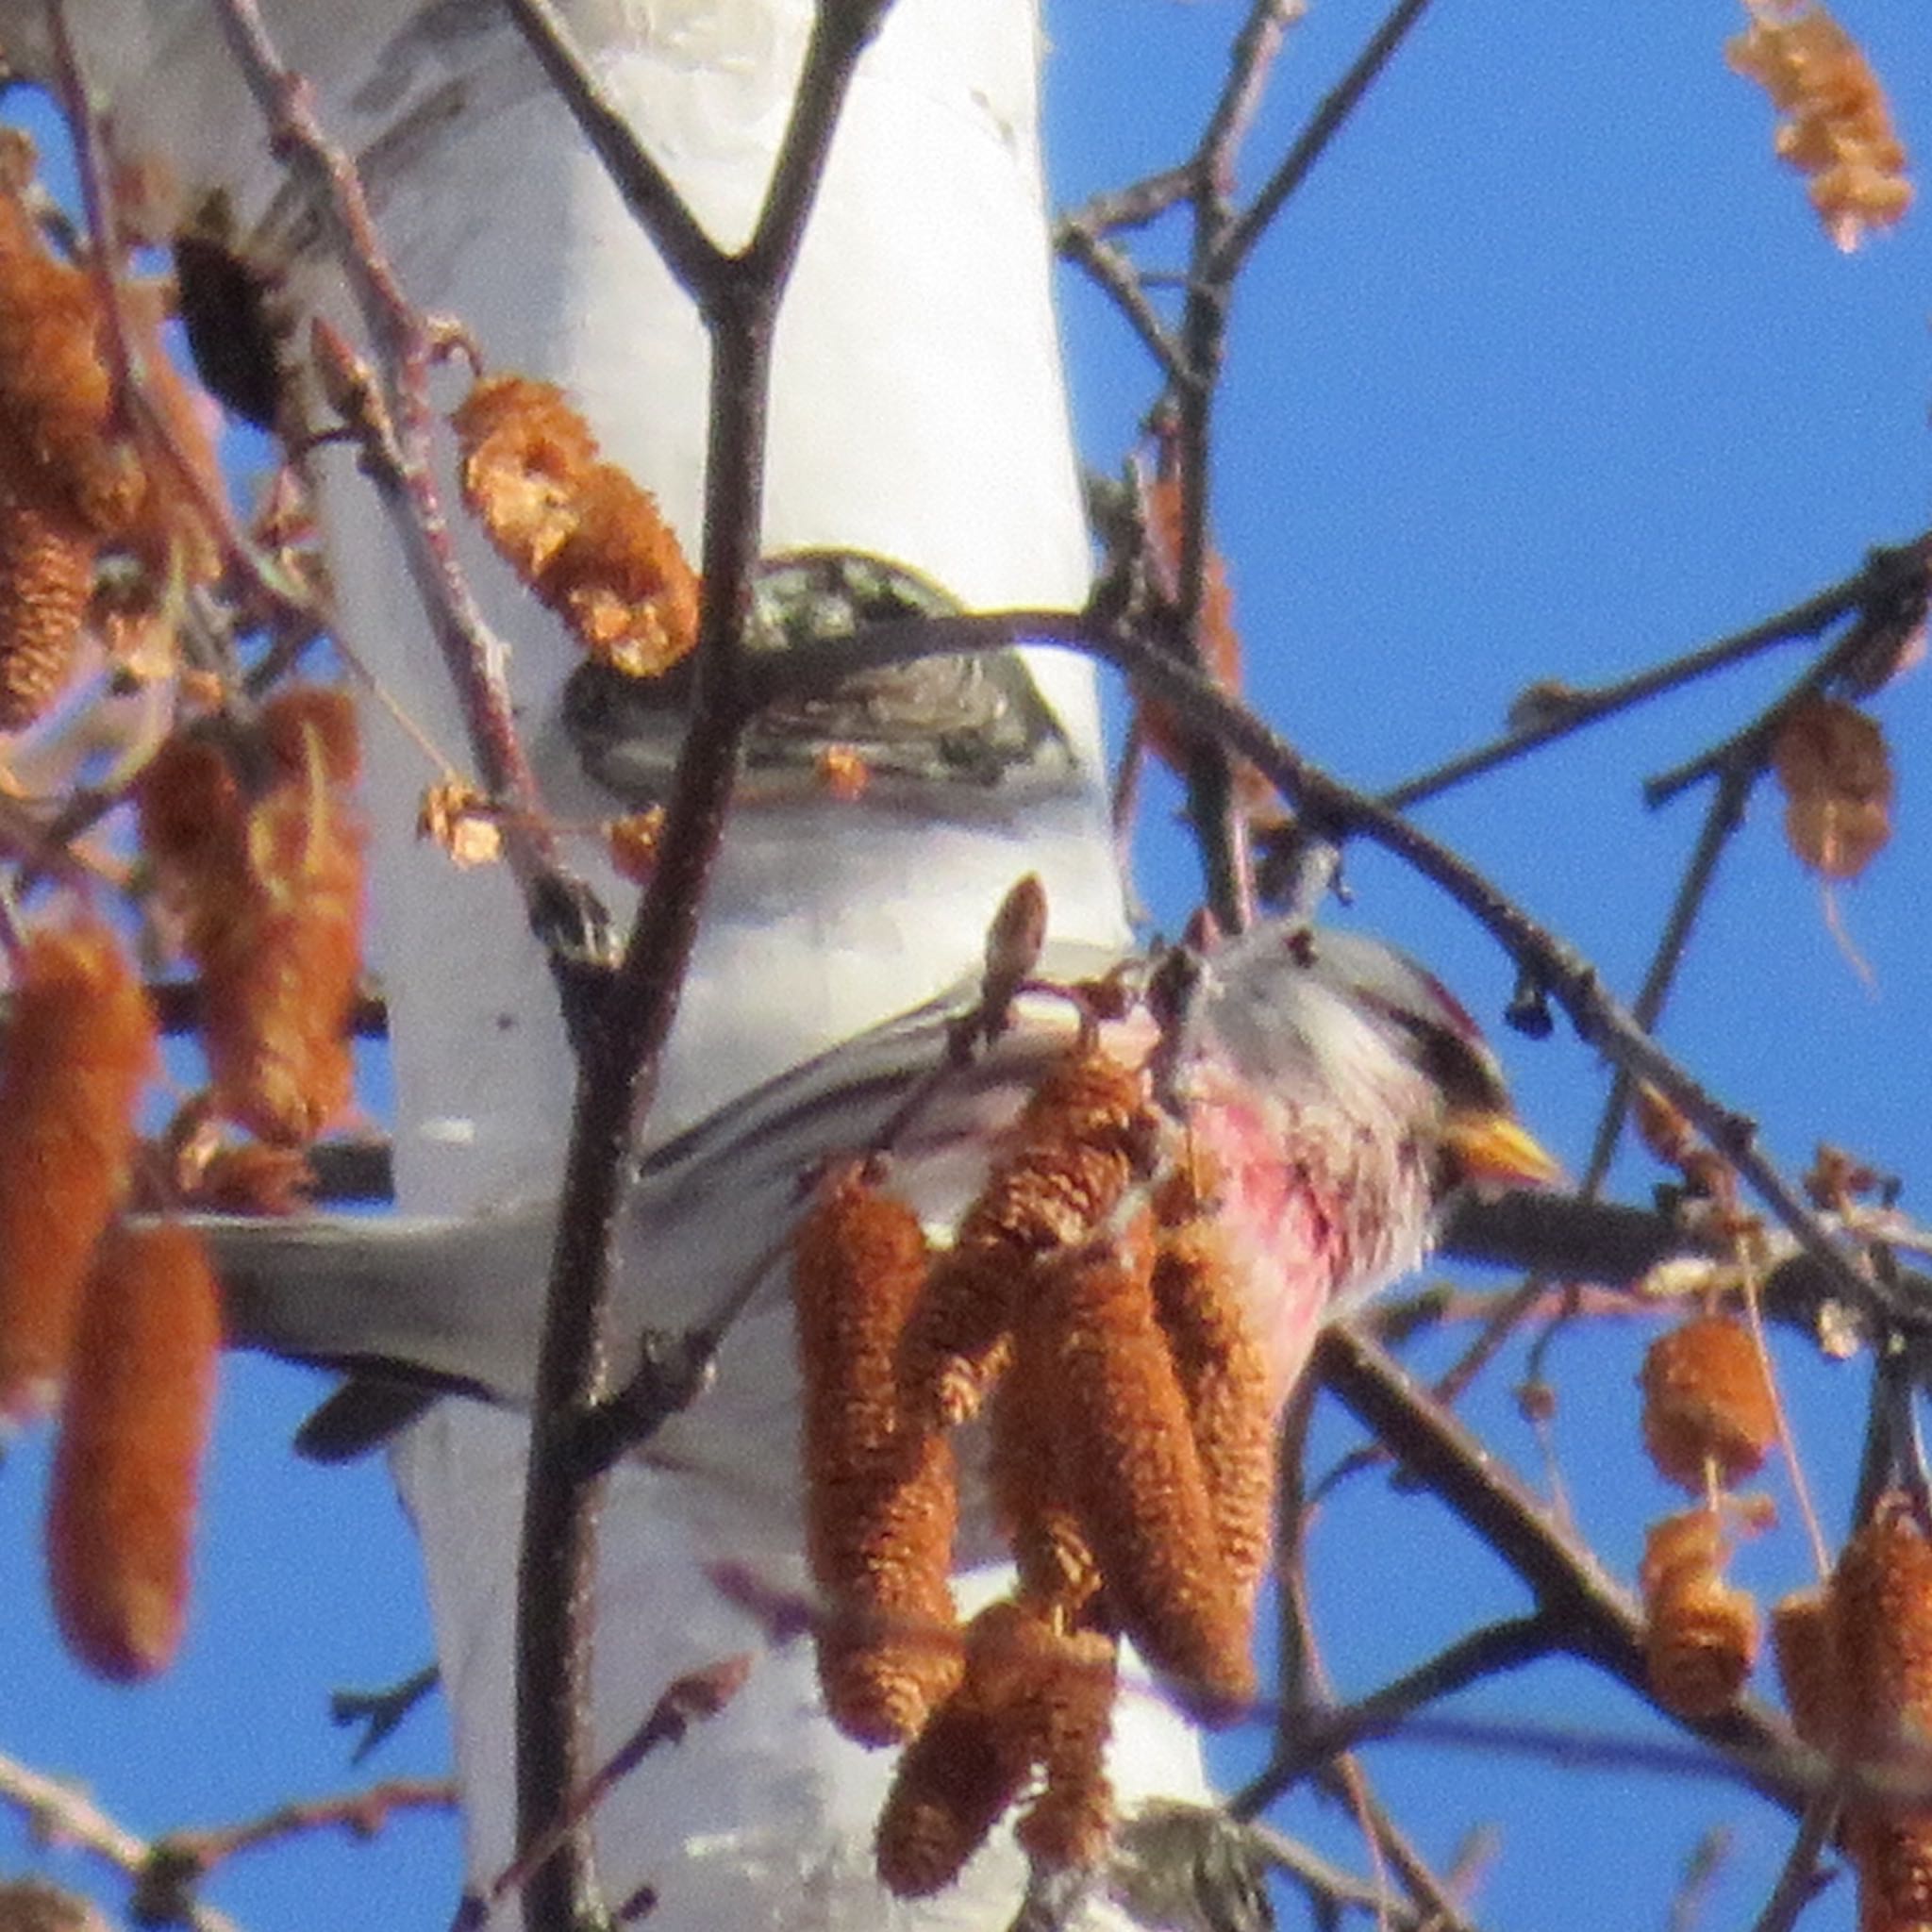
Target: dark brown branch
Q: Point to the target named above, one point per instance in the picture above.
(1214, 809)
(1134, 206)
(1114, 269)
(1800, 1881)
(620, 1051)
(1599, 1621)
(654, 204)
(1721, 823)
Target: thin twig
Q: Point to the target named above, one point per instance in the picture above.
(1134, 206)
(654, 202)
(360, 1813)
(1114, 269)
(1799, 1881)
(1721, 821)
(400, 438)
(1317, 1736)
(55, 1812)
(1327, 122)
(1433, 1900)
(1574, 709)
(1328, 1884)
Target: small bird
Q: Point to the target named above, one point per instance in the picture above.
(1345, 1089)
(1344, 1095)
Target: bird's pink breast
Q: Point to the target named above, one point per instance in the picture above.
(1285, 1219)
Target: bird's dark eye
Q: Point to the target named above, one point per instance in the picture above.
(1458, 1064)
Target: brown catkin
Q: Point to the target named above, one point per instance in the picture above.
(1836, 769)
(1706, 1399)
(47, 580)
(1072, 1152)
(279, 987)
(526, 452)
(1881, 1643)
(1893, 1857)
(1839, 130)
(1071, 1822)
(79, 1045)
(190, 816)
(1033, 1471)
(962, 1771)
(1699, 1645)
(1800, 1643)
(57, 396)
(880, 1497)
(126, 1467)
(1881, 1610)
(270, 897)
(1224, 1380)
(581, 534)
(620, 581)
(1143, 1498)
(1700, 1636)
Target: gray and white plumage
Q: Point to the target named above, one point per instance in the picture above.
(1338, 1025)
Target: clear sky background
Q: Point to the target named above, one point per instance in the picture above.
(1548, 372)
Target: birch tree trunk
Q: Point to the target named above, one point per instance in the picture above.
(919, 413)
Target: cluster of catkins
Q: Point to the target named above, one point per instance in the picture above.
(116, 1322)
(257, 851)
(1085, 1304)
(83, 477)
(1854, 1654)
(119, 1327)
(1709, 1419)
(1837, 129)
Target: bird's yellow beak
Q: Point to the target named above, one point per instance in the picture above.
(1493, 1148)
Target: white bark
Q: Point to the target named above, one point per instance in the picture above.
(919, 412)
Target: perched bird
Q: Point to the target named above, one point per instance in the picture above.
(918, 420)
(1343, 1087)
(1344, 1094)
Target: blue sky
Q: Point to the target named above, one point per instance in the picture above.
(1548, 372)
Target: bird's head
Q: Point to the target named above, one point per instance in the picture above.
(1345, 1092)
